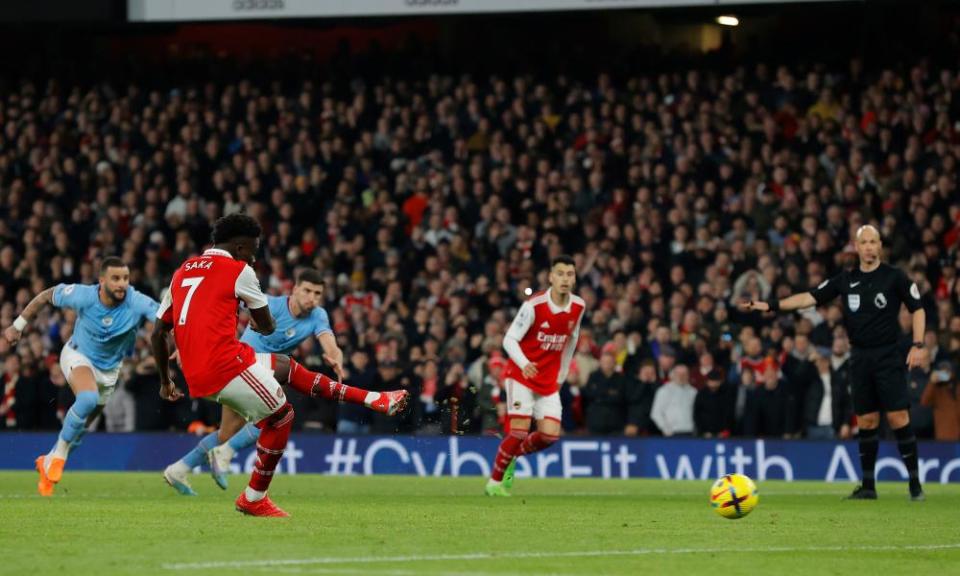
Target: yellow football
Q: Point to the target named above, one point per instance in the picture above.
(733, 496)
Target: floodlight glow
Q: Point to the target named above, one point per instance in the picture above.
(728, 20)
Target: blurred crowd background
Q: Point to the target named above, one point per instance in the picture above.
(431, 197)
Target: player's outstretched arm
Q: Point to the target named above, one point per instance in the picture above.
(332, 354)
(161, 355)
(13, 332)
(794, 302)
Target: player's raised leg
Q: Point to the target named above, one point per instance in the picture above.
(315, 384)
(84, 386)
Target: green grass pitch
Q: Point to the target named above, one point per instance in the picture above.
(132, 523)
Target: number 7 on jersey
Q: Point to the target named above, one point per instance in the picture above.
(191, 284)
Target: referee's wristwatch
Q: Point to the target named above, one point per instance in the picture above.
(919, 345)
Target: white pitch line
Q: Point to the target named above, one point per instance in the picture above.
(366, 570)
(524, 555)
(357, 571)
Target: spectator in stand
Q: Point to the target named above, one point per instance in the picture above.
(605, 399)
(702, 371)
(431, 201)
(921, 414)
(352, 418)
(713, 408)
(828, 407)
(745, 402)
(766, 415)
(799, 377)
(753, 358)
(941, 395)
(640, 394)
(672, 409)
(666, 362)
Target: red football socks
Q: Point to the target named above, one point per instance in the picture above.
(508, 450)
(536, 442)
(315, 384)
(273, 439)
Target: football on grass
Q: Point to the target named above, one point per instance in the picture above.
(733, 496)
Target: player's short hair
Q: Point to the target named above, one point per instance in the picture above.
(235, 225)
(111, 262)
(311, 275)
(563, 259)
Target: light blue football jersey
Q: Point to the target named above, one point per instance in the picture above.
(290, 331)
(104, 335)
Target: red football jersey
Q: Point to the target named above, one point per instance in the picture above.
(202, 305)
(546, 335)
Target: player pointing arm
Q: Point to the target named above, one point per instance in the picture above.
(871, 295)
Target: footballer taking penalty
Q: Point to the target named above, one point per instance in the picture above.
(540, 342)
(200, 308)
(298, 317)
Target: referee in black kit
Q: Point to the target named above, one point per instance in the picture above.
(871, 295)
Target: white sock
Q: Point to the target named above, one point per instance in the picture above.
(371, 398)
(253, 495)
(60, 450)
(492, 482)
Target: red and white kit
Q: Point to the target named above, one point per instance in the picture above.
(202, 306)
(546, 335)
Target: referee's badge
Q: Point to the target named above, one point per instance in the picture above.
(880, 300)
(853, 301)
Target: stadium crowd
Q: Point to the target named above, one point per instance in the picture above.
(432, 203)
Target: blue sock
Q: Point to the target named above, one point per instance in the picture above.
(247, 436)
(198, 455)
(76, 418)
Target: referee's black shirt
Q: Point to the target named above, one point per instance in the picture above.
(871, 303)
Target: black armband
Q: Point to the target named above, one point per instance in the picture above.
(774, 305)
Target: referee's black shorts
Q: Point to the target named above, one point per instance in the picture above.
(879, 379)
